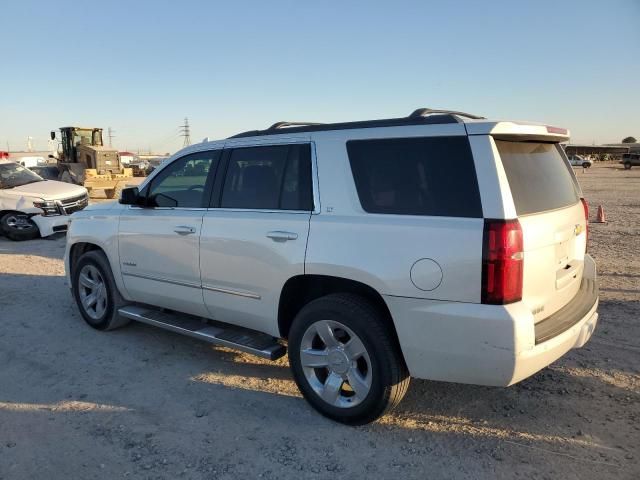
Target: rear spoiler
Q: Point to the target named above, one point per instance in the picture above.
(518, 131)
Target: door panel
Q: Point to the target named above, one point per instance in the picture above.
(160, 244)
(255, 238)
(244, 268)
(159, 265)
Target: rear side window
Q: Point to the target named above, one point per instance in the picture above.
(539, 177)
(274, 177)
(416, 176)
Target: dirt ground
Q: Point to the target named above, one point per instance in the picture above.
(144, 403)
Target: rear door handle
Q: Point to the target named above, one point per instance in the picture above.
(184, 230)
(280, 236)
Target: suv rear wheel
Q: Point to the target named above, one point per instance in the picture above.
(345, 360)
(627, 165)
(95, 292)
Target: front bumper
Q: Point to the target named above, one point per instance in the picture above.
(483, 344)
(50, 225)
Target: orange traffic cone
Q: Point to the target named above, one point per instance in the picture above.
(600, 218)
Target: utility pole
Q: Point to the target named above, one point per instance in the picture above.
(185, 132)
(111, 136)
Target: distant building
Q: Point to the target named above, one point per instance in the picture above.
(633, 147)
(127, 157)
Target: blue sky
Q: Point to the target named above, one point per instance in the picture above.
(140, 67)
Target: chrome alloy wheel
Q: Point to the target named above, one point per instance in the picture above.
(93, 292)
(336, 364)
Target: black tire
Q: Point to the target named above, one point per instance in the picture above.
(586, 165)
(389, 375)
(18, 226)
(627, 166)
(108, 319)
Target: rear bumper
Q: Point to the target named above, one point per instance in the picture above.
(50, 225)
(487, 344)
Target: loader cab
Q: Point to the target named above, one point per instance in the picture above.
(73, 137)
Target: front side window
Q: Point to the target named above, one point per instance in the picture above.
(183, 183)
(270, 178)
(432, 176)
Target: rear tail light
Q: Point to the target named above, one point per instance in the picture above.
(502, 262)
(585, 205)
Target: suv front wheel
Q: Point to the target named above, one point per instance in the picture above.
(96, 293)
(18, 226)
(345, 360)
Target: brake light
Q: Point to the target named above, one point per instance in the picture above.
(502, 262)
(561, 131)
(585, 205)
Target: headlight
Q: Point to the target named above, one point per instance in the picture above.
(49, 207)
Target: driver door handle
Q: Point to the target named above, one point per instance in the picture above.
(184, 230)
(280, 236)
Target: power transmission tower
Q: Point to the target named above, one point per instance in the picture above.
(111, 136)
(185, 132)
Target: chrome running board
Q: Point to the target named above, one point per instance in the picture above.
(250, 341)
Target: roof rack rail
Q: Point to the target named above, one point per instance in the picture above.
(278, 125)
(421, 116)
(422, 112)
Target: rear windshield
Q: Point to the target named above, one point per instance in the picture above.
(416, 176)
(539, 177)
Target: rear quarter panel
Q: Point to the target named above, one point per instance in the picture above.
(380, 250)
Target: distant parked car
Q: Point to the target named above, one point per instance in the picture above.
(31, 206)
(30, 162)
(578, 161)
(630, 160)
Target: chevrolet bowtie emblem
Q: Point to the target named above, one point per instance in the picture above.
(578, 229)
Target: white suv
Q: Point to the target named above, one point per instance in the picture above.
(31, 206)
(578, 161)
(441, 246)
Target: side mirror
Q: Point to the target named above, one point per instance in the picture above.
(130, 196)
(53, 135)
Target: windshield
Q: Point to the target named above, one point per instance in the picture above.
(14, 175)
(83, 137)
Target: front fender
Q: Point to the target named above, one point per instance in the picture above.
(99, 228)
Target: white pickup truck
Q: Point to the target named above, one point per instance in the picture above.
(31, 206)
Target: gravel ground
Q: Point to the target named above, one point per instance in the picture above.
(143, 403)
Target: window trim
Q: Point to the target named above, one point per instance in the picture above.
(216, 197)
